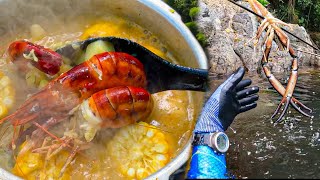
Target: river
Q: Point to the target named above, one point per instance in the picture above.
(288, 150)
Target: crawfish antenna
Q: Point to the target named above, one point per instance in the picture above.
(243, 7)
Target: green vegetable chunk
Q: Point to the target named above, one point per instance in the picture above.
(98, 47)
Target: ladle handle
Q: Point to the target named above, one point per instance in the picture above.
(176, 77)
(189, 79)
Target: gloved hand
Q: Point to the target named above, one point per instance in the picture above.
(231, 98)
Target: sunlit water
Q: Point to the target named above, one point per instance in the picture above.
(288, 150)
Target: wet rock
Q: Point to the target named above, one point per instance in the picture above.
(229, 30)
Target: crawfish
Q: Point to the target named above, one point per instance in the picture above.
(271, 25)
(21, 53)
(110, 108)
(102, 71)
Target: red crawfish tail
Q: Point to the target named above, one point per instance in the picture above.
(102, 71)
(23, 52)
(141, 108)
(113, 108)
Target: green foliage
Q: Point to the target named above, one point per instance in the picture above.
(202, 38)
(264, 2)
(304, 12)
(188, 10)
(183, 7)
(194, 12)
(192, 26)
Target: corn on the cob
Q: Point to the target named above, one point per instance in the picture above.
(139, 150)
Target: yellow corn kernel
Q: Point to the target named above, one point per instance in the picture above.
(7, 91)
(160, 148)
(3, 110)
(139, 150)
(131, 173)
(4, 81)
(141, 173)
(8, 101)
(7, 94)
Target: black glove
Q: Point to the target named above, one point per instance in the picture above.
(231, 98)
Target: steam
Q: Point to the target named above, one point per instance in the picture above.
(17, 16)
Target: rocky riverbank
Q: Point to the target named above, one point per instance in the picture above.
(229, 28)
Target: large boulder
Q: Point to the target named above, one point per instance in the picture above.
(229, 30)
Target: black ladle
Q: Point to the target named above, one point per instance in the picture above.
(161, 74)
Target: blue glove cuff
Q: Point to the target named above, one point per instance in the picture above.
(208, 121)
(206, 164)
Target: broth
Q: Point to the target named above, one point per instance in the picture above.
(173, 114)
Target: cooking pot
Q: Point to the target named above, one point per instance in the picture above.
(16, 16)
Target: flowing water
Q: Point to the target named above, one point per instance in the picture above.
(291, 149)
(288, 150)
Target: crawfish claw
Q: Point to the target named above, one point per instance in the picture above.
(301, 108)
(285, 102)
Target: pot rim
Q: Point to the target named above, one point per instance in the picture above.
(175, 20)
